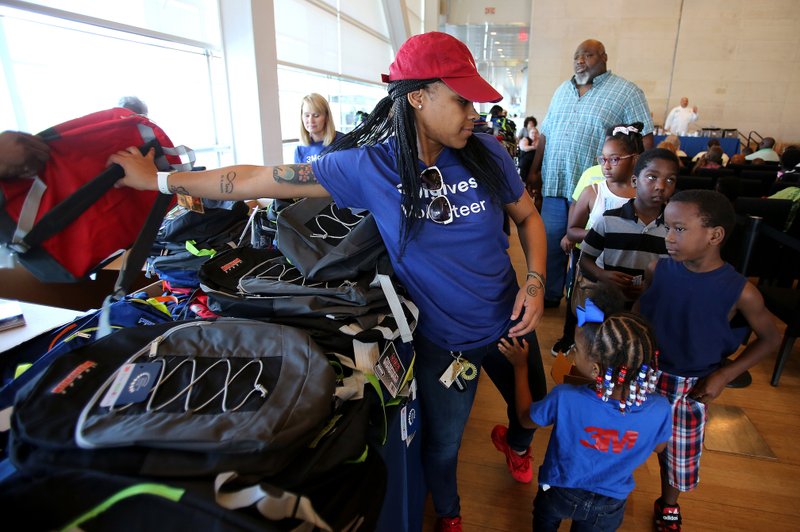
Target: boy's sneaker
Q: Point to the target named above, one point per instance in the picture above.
(562, 345)
(666, 517)
(518, 465)
(448, 524)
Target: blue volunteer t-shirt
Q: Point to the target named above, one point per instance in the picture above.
(460, 274)
(593, 445)
(310, 153)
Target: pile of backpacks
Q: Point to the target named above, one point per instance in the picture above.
(242, 395)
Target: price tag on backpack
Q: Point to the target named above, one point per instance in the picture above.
(132, 384)
(390, 369)
(189, 202)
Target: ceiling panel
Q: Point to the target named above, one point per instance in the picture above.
(501, 55)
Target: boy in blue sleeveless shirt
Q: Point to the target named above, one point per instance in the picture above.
(690, 299)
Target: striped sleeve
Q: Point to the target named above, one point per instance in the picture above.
(595, 241)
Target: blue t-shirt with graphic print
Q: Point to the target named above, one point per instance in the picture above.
(460, 274)
(594, 446)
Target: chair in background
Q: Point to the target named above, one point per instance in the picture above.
(729, 186)
(778, 285)
(738, 168)
(714, 172)
(750, 256)
(785, 304)
(767, 177)
(777, 186)
(752, 188)
(692, 182)
(774, 212)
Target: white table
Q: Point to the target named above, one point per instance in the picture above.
(38, 319)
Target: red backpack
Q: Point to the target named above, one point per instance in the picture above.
(70, 221)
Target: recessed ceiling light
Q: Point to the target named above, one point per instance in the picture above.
(499, 49)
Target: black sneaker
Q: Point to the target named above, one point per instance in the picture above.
(562, 345)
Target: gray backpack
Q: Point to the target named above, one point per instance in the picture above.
(178, 399)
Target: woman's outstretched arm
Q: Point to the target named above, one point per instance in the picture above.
(238, 182)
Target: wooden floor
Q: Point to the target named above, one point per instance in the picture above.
(735, 492)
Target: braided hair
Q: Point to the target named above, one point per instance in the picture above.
(394, 116)
(624, 347)
(629, 135)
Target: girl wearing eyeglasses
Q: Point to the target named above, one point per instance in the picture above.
(622, 146)
(416, 147)
(620, 151)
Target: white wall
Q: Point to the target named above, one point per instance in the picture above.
(737, 60)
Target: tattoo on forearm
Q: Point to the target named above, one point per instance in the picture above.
(226, 182)
(178, 190)
(534, 283)
(298, 174)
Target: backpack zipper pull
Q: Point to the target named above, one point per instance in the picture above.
(154, 346)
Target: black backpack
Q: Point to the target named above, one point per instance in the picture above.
(263, 284)
(326, 242)
(279, 394)
(186, 239)
(348, 497)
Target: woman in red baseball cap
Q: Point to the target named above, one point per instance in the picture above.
(440, 195)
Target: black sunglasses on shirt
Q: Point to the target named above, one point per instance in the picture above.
(439, 209)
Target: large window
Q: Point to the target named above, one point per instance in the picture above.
(58, 67)
(337, 49)
(346, 98)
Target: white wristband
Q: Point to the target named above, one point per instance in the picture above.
(163, 185)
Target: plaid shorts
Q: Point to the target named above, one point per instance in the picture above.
(681, 458)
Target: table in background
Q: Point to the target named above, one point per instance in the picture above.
(694, 145)
(38, 319)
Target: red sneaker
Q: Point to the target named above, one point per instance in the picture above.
(448, 524)
(666, 518)
(518, 465)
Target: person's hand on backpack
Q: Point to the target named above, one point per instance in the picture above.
(140, 170)
(21, 154)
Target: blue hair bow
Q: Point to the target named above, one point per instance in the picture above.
(589, 313)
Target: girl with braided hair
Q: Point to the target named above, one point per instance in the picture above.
(440, 196)
(603, 431)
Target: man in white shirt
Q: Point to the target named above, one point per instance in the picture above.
(680, 117)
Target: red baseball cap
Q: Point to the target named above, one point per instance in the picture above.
(439, 55)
